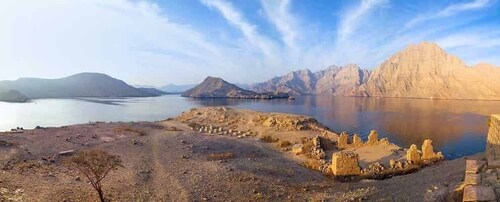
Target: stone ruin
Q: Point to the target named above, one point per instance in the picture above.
(345, 164)
(372, 138)
(482, 180)
(317, 150)
(414, 156)
(343, 140)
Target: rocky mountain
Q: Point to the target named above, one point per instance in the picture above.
(172, 88)
(213, 87)
(333, 80)
(12, 96)
(426, 71)
(79, 85)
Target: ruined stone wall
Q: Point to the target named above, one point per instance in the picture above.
(345, 164)
(493, 140)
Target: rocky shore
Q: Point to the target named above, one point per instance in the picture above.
(224, 154)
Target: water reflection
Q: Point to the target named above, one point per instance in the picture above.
(457, 127)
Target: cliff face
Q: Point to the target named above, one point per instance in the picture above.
(213, 87)
(427, 71)
(333, 80)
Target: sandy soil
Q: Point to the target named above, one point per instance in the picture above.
(168, 161)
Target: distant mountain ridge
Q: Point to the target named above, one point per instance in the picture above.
(172, 88)
(333, 80)
(213, 87)
(78, 85)
(425, 70)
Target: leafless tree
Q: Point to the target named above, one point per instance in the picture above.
(95, 165)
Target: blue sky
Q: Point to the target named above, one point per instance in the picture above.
(242, 41)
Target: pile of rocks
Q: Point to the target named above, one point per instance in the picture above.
(316, 150)
(289, 123)
(214, 130)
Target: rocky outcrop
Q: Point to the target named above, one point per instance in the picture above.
(213, 87)
(427, 71)
(493, 140)
(345, 164)
(333, 80)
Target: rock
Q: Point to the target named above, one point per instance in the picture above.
(343, 141)
(372, 138)
(345, 164)
(297, 149)
(67, 153)
(413, 155)
(357, 141)
(478, 193)
(375, 168)
(492, 152)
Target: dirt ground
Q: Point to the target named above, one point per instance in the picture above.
(168, 161)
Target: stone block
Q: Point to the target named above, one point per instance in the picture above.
(478, 193)
(413, 155)
(473, 166)
(345, 164)
(472, 179)
(297, 149)
(372, 138)
(343, 141)
(357, 141)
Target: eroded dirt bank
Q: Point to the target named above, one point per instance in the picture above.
(173, 161)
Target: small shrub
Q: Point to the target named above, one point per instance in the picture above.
(284, 143)
(221, 156)
(268, 138)
(95, 165)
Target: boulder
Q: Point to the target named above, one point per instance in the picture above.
(345, 164)
(297, 149)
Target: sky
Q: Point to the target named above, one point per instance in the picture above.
(157, 42)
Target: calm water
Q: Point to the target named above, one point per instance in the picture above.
(457, 127)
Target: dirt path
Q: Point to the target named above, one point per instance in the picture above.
(167, 184)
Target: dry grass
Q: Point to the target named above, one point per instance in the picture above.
(268, 138)
(284, 143)
(123, 129)
(221, 156)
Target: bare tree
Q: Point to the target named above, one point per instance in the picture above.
(95, 165)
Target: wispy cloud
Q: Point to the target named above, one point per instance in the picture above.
(277, 11)
(351, 19)
(237, 19)
(450, 10)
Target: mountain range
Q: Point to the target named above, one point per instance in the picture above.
(213, 87)
(79, 85)
(423, 70)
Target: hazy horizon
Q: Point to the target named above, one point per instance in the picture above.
(181, 42)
